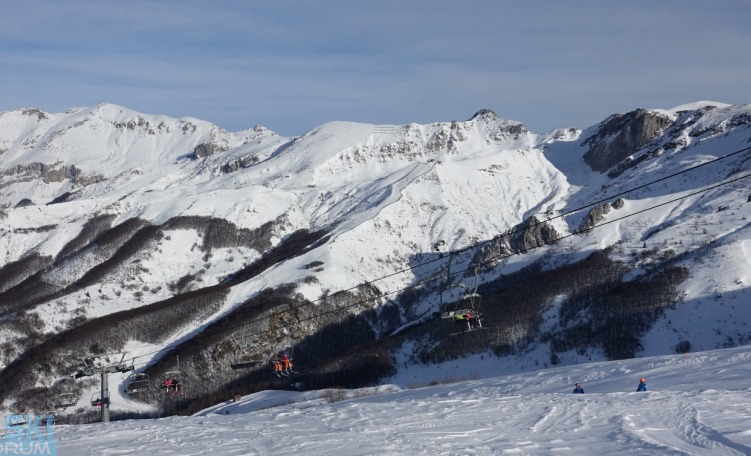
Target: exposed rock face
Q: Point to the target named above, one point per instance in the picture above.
(527, 235)
(507, 129)
(535, 234)
(34, 112)
(207, 149)
(595, 216)
(487, 115)
(49, 173)
(242, 162)
(621, 135)
(598, 213)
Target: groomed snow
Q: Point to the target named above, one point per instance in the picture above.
(698, 404)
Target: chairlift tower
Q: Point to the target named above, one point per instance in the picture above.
(103, 365)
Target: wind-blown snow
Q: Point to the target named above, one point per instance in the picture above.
(697, 404)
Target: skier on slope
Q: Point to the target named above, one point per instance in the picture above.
(578, 389)
(642, 385)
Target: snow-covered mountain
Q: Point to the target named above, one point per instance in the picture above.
(161, 237)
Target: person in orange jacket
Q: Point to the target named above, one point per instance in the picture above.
(286, 363)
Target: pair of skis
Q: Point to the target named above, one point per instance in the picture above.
(286, 373)
(466, 331)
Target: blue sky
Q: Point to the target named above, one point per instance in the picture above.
(293, 65)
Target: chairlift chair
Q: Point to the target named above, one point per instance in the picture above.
(66, 400)
(138, 383)
(172, 382)
(85, 369)
(16, 420)
(467, 304)
(244, 360)
(126, 367)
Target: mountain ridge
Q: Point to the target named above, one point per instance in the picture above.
(172, 213)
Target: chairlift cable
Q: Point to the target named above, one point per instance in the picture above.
(431, 280)
(485, 262)
(492, 259)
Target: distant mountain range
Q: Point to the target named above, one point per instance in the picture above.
(190, 248)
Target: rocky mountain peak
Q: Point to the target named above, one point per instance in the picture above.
(620, 135)
(487, 115)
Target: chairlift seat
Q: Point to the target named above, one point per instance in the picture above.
(66, 400)
(244, 364)
(454, 313)
(139, 383)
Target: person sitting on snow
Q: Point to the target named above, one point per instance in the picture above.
(578, 389)
(642, 385)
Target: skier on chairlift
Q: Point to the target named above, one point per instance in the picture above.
(286, 363)
(462, 321)
(277, 363)
(471, 320)
(172, 384)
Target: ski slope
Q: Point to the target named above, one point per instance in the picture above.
(698, 404)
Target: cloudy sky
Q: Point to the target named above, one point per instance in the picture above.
(293, 65)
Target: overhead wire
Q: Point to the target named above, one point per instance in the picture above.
(169, 348)
(485, 242)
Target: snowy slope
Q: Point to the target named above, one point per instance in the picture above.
(387, 195)
(698, 404)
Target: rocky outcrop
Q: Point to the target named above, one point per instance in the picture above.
(504, 128)
(595, 216)
(240, 163)
(526, 236)
(49, 173)
(486, 115)
(33, 112)
(534, 233)
(620, 135)
(208, 149)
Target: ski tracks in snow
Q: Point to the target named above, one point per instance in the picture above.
(674, 423)
(461, 421)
